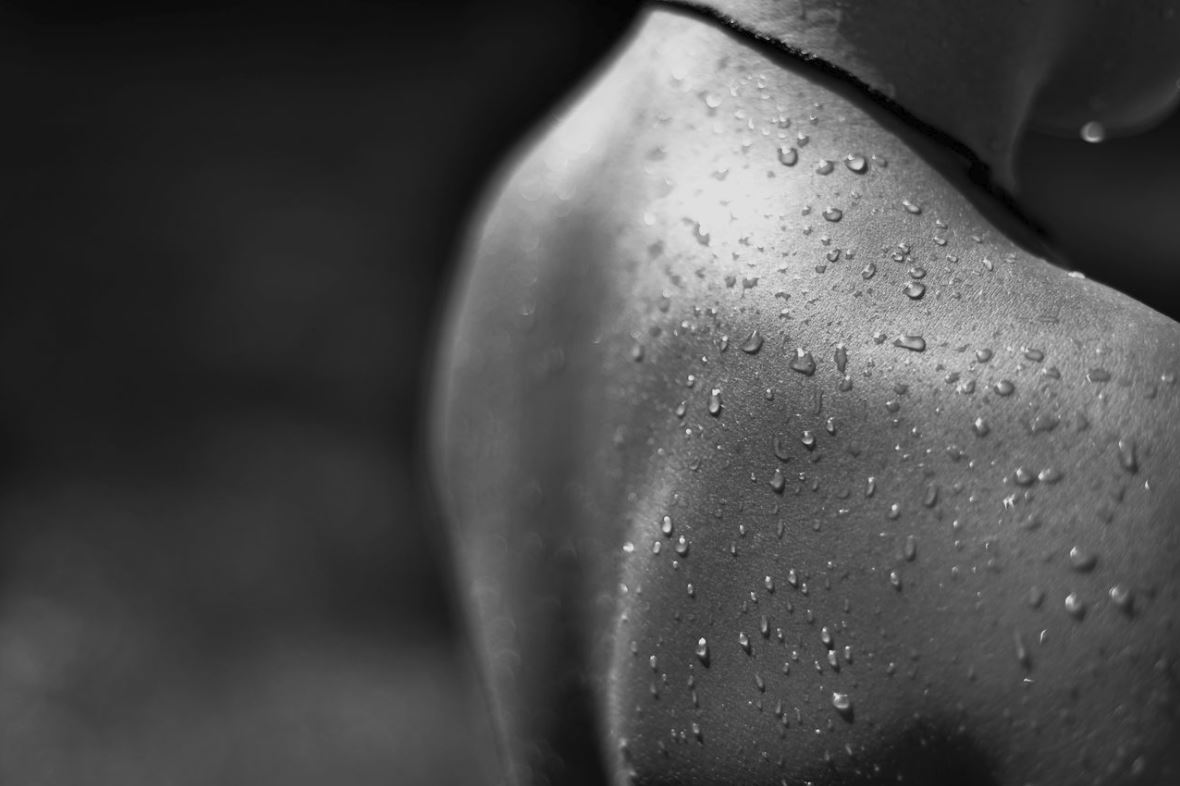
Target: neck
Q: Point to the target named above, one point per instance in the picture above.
(960, 73)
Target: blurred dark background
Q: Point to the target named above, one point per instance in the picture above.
(225, 230)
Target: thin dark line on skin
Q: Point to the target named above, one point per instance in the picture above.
(977, 171)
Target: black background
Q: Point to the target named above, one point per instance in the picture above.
(225, 230)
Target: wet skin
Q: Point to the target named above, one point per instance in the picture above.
(914, 487)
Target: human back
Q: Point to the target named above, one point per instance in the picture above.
(763, 469)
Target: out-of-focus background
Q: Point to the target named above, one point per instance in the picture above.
(225, 232)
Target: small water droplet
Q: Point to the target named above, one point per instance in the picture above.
(856, 163)
(1093, 132)
(788, 156)
(682, 546)
(1075, 606)
(1004, 387)
(981, 427)
(1082, 561)
(697, 733)
(666, 526)
(759, 683)
(911, 207)
(1023, 477)
(808, 439)
(1036, 596)
(681, 409)
(1049, 475)
(868, 271)
(824, 167)
(911, 342)
(833, 214)
(715, 402)
(830, 425)
(914, 290)
(753, 343)
(744, 642)
(842, 703)
(803, 362)
(911, 548)
(1021, 651)
(895, 579)
(870, 486)
(637, 352)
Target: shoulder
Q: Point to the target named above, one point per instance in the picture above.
(830, 466)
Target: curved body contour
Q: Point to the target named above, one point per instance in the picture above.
(762, 469)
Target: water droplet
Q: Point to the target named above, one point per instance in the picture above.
(1121, 596)
(981, 427)
(911, 548)
(830, 425)
(914, 290)
(1004, 387)
(1098, 375)
(712, 101)
(803, 362)
(1049, 475)
(895, 579)
(788, 156)
(1023, 477)
(833, 214)
(917, 272)
(637, 352)
(682, 546)
(1093, 132)
(1127, 458)
(778, 482)
(792, 577)
(856, 163)
(768, 582)
(808, 439)
(911, 342)
(753, 343)
(681, 409)
(911, 207)
(744, 642)
(1082, 561)
(666, 526)
(1075, 606)
(824, 167)
(868, 271)
(759, 683)
(842, 703)
(870, 486)
(1036, 596)
(715, 402)
(802, 139)
(983, 355)
(701, 233)
(703, 650)
(825, 635)
(841, 357)
(1021, 650)
(696, 732)
(1035, 355)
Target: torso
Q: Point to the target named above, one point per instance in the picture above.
(916, 420)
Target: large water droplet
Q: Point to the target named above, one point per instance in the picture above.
(1093, 132)
(1121, 596)
(1004, 387)
(842, 703)
(1075, 606)
(911, 342)
(703, 650)
(1082, 560)
(1098, 375)
(788, 156)
(833, 214)
(666, 526)
(911, 207)
(841, 357)
(803, 362)
(682, 546)
(824, 167)
(981, 427)
(744, 642)
(910, 550)
(715, 402)
(778, 482)
(868, 271)
(753, 343)
(983, 355)
(914, 289)
(856, 163)
(1127, 458)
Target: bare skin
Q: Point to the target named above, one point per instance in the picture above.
(768, 470)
